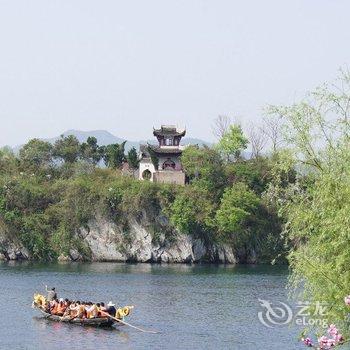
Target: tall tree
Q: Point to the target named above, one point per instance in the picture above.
(90, 151)
(233, 142)
(154, 157)
(114, 155)
(204, 167)
(317, 206)
(257, 140)
(67, 148)
(221, 126)
(237, 204)
(272, 129)
(8, 161)
(132, 158)
(193, 211)
(36, 153)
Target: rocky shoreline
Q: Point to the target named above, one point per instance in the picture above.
(106, 241)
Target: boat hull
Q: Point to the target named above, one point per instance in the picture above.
(93, 322)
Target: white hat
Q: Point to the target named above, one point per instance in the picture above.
(110, 304)
(61, 299)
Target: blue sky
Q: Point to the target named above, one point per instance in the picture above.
(125, 66)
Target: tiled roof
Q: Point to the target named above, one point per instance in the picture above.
(169, 130)
(165, 150)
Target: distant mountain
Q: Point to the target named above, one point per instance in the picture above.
(105, 138)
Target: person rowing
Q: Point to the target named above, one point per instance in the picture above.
(54, 306)
(61, 308)
(51, 293)
(101, 308)
(77, 310)
(111, 309)
(92, 310)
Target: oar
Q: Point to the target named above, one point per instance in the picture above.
(127, 324)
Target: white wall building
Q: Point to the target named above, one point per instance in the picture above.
(162, 162)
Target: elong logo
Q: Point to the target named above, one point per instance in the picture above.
(280, 314)
(274, 315)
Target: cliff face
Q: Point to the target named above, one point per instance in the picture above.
(107, 241)
(12, 249)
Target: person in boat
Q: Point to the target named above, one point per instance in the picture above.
(52, 304)
(86, 307)
(102, 306)
(46, 307)
(73, 310)
(66, 303)
(98, 309)
(67, 311)
(61, 308)
(92, 310)
(78, 310)
(54, 307)
(51, 293)
(111, 309)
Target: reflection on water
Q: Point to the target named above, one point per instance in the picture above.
(193, 306)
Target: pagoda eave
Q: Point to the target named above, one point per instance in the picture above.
(161, 151)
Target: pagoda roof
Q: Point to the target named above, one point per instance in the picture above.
(165, 150)
(169, 130)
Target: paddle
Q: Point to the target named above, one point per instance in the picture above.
(127, 324)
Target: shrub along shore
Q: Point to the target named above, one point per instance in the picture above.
(48, 192)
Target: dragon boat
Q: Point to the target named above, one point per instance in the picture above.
(103, 321)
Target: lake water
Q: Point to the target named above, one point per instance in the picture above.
(194, 307)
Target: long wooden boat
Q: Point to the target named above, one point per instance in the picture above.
(95, 322)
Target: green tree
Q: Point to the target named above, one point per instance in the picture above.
(8, 161)
(204, 168)
(233, 142)
(255, 172)
(192, 211)
(241, 222)
(90, 151)
(316, 206)
(67, 148)
(114, 155)
(237, 206)
(132, 158)
(154, 157)
(36, 153)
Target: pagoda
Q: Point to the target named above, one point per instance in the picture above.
(162, 162)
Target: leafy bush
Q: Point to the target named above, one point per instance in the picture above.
(192, 211)
(50, 192)
(238, 204)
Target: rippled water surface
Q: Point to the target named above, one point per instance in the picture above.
(194, 307)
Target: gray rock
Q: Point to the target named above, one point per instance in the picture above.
(108, 242)
(179, 251)
(141, 248)
(199, 250)
(104, 241)
(75, 255)
(11, 255)
(226, 255)
(252, 257)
